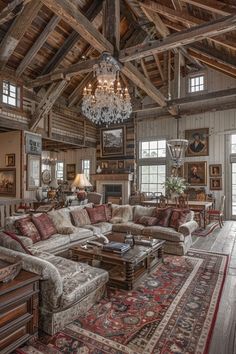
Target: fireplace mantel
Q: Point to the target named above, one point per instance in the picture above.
(123, 179)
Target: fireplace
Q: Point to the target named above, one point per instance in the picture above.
(114, 187)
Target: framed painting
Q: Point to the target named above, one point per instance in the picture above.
(215, 170)
(7, 182)
(198, 142)
(121, 164)
(196, 173)
(33, 144)
(112, 141)
(70, 171)
(33, 172)
(10, 160)
(216, 184)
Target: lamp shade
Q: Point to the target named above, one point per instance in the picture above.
(53, 184)
(81, 181)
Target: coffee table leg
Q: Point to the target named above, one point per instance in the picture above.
(161, 254)
(129, 276)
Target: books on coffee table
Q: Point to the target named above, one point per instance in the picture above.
(116, 247)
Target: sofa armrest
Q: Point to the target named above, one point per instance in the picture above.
(187, 228)
(48, 273)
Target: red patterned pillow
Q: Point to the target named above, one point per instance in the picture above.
(44, 226)
(178, 217)
(97, 214)
(147, 220)
(163, 216)
(28, 229)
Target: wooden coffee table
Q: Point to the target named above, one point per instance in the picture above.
(124, 270)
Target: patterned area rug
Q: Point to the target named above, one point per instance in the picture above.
(207, 231)
(172, 311)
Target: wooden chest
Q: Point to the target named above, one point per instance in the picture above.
(18, 311)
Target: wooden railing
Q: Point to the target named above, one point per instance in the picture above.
(9, 206)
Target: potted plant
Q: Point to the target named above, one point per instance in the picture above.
(175, 186)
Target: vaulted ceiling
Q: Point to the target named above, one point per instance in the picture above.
(51, 46)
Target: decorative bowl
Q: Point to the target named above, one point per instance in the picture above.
(8, 271)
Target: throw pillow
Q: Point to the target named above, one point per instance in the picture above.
(147, 220)
(44, 226)
(163, 216)
(27, 228)
(80, 217)
(178, 217)
(62, 222)
(125, 212)
(140, 210)
(97, 214)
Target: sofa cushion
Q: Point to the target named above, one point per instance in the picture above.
(61, 220)
(80, 234)
(140, 210)
(147, 220)
(163, 216)
(97, 214)
(121, 213)
(135, 229)
(80, 217)
(52, 244)
(44, 226)
(178, 218)
(100, 227)
(27, 228)
(10, 222)
(163, 233)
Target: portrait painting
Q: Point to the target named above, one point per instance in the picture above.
(215, 170)
(196, 173)
(10, 160)
(112, 141)
(216, 184)
(198, 142)
(7, 182)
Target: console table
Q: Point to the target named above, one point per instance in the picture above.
(124, 270)
(18, 311)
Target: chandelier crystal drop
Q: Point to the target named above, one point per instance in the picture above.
(109, 103)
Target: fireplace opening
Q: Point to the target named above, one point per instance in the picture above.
(113, 193)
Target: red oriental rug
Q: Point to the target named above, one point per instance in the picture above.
(173, 310)
(207, 231)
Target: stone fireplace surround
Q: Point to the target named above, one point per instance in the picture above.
(122, 179)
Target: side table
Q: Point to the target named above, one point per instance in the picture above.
(18, 311)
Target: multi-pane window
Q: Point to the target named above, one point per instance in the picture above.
(152, 178)
(233, 144)
(10, 94)
(196, 83)
(152, 149)
(152, 168)
(86, 168)
(59, 170)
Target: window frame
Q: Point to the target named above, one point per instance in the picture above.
(195, 75)
(85, 168)
(63, 170)
(19, 98)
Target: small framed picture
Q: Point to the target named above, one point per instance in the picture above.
(215, 170)
(120, 164)
(104, 164)
(216, 184)
(70, 171)
(10, 160)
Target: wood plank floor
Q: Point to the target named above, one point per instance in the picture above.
(224, 334)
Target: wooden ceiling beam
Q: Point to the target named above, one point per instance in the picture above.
(37, 44)
(177, 5)
(71, 15)
(72, 39)
(111, 23)
(143, 66)
(45, 105)
(12, 10)
(81, 67)
(191, 35)
(17, 30)
(217, 7)
(78, 91)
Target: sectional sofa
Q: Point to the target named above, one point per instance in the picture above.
(69, 288)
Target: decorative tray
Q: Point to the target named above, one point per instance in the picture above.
(8, 271)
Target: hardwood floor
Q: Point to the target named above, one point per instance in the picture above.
(224, 334)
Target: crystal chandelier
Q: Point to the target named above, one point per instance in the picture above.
(109, 103)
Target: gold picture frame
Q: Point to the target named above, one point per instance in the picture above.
(196, 173)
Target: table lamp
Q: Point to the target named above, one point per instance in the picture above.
(81, 182)
(53, 185)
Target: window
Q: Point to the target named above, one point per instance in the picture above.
(152, 149)
(152, 165)
(59, 170)
(86, 168)
(233, 144)
(196, 83)
(10, 94)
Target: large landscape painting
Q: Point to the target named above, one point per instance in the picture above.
(112, 141)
